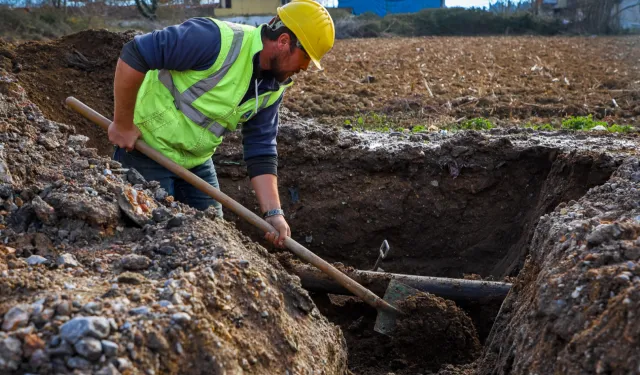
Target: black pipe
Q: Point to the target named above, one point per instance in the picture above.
(459, 290)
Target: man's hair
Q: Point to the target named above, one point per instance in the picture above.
(273, 34)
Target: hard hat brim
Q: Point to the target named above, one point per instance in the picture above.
(316, 62)
(293, 25)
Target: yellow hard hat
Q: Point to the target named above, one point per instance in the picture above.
(311, 23)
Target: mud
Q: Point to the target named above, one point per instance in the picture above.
(555, 211)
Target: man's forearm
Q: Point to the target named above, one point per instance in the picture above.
(126, 84)
(266, 188)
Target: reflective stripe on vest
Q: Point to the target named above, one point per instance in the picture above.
(184, 101)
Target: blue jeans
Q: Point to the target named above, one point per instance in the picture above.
(181, 190)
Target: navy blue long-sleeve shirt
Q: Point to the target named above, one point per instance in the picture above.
(195, 45)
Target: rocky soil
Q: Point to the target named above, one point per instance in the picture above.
(83, 289)
(573, 309)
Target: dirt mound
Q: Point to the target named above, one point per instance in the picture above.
(85, 290)
(80, 65)
(434, 325)
(573, 309)
(435, 333)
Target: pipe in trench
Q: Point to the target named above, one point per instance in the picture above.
(459, 290)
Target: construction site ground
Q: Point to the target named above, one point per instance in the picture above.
(84, 289)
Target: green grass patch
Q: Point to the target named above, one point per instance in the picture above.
(372, 122)
(582, 123)
(478, 123)
(419, 129)
(586, 123)
(615, 128)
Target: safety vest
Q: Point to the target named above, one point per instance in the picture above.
(184, 114)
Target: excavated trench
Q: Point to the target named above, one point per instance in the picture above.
(465, 207)
(462, 206)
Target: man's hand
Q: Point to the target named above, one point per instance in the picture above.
(282, 227)
(266, 188)
(123, 135)
(122, 131)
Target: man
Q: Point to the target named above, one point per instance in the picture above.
(182, 88)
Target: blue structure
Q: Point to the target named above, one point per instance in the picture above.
(383, 7)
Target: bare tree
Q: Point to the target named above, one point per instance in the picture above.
(147, 8)
(596, 16)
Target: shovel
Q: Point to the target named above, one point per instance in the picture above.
(396, 292)
(387, 311)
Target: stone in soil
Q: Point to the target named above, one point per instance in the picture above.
(15, 318)
(89, 348)
(10, 353)
(35, 260)
(161, 214)
(67, 260)
(43, 210)
(135, 262)
(79, 327)
(135, 178)
(132, 278)
(175, 221)
(78, 363)
(109, 348)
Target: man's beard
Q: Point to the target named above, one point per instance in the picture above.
(275, 71)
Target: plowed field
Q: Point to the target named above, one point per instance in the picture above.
(413, 81)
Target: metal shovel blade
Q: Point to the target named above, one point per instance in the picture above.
(396, 292)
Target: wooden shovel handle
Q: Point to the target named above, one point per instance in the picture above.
(302, 252)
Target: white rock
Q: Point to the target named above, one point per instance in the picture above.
(67, 260)
(35, 260)
(16, 317)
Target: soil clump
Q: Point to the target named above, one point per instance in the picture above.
(441, 326)
(435, 333)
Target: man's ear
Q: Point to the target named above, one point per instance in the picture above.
(284, 41)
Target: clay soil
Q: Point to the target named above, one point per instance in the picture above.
(509, 203)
